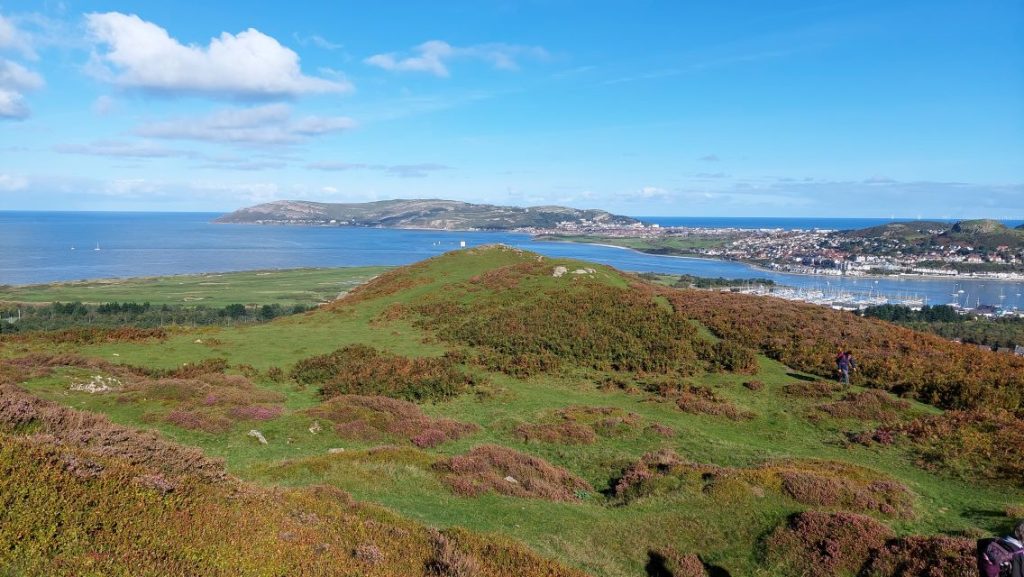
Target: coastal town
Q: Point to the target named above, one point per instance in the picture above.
(971, 249)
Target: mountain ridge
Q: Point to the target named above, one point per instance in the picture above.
(436, 214)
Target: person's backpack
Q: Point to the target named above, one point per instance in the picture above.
(1000, 558)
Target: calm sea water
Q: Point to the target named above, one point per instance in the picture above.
(42, 247)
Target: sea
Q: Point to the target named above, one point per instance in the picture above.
(45, 247)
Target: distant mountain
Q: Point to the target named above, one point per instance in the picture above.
(431, 214)
(981, 234)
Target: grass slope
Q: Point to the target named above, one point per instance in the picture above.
(284, 287)
(722, 504)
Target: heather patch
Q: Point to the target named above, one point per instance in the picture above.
(490, 468)
(975, 444)
(363, 370)
(375, 418)
(824, 544)
(870, 405)
(924, 556)
(581, 425)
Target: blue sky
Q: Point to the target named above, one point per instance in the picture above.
(849, 108)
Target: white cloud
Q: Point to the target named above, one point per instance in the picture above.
(103, 105)
(135, 53)
(11, 38)
(15, 79)
(11, 183)
(400, 170)
(119, 148)
(271, 124)
(433, 56)
(649, 192)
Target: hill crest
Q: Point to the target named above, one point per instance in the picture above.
(421, 213)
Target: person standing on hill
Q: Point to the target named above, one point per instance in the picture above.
(845, 364)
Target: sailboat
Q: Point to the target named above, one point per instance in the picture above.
(97, 246)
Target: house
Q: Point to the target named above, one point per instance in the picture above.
(1019, 351)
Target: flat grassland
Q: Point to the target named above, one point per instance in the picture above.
(306, 286)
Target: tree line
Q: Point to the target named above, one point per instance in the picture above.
(58, 315)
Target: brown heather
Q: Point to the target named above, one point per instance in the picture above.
(375, 418)
(805, 337)
(363, 370)
(817, 544)
(487, 468)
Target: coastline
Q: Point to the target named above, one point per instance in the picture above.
(899, 276)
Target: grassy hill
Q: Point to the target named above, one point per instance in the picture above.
(419, 213)
(495, 412)
(981, 234)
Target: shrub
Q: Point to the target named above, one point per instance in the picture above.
(586, 323)
(805, 337)
(369, 418)
(811, 389)
(704, 401)
(976, 444)
(866, 406)
(363, 370)
(508, 472)
(824, 544)
(565, 433)
(924, 556)
(754, 385)
(822, 487)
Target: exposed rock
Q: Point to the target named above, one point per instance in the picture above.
(559, 271)
(258, 436)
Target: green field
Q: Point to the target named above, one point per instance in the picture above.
(305, 286)
(724, 516)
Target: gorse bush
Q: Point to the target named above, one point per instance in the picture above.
(363, 370)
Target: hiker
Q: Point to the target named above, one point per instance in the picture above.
(1003, 557)
(845, 364)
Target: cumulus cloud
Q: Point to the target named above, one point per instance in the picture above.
(134, 53)
(433, 56)
(710, 158)
(270, 124)
(399, 170)
(15, 79)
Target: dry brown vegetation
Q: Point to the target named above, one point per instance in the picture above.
(977, 444)
(580, 425)
(873, 405)
(383, 419)
(805, 337)
(816, 483)
(364, 370)
(814, 543)
(506, 471)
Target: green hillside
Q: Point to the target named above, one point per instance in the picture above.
(495, 412)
